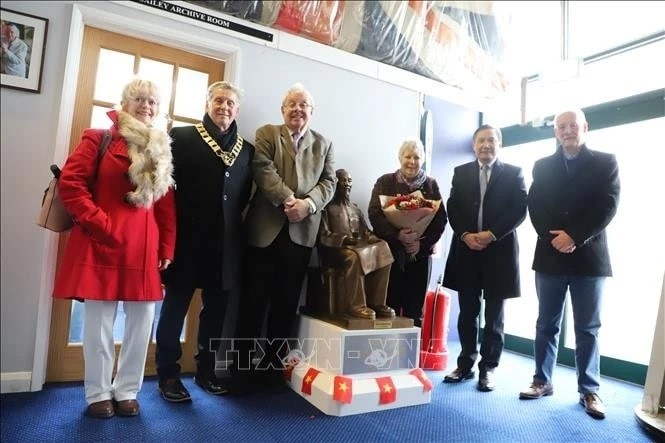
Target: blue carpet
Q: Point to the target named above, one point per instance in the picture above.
(456, 413)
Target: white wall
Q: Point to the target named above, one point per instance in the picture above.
(364, 116)
(26, 149)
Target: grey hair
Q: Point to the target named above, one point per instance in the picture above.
(226, 86)
(298, 88)
(581, 117)
(14, 28)
(411, 144)
(137, 87)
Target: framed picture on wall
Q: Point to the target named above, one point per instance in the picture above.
(23, 47)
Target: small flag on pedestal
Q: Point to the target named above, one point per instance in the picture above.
(307, 381)
(343, 389)
(420, 375)
(387, 390)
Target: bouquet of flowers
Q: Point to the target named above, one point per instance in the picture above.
(411, 211)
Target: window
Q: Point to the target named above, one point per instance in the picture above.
(634, 31)
(599, 26)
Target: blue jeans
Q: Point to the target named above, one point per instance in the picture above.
(585, 296)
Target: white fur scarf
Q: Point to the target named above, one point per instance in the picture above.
(151, 169)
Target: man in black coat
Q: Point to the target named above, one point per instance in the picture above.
(212, 170)
(487, 203)
(573, 198)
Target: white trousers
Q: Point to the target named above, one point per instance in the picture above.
(99, 349)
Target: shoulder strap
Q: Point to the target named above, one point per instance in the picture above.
(103, 146)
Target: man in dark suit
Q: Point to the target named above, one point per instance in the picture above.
(487, 203)
(573, 197)
(295, 179)
(212, 170)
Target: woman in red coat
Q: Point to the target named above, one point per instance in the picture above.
(124, 234)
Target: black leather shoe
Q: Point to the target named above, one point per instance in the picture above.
(486, 381)
(210, 385)
(173, 390)
(383, 311)
(458, 375)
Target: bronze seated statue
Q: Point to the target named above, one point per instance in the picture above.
(355, 262)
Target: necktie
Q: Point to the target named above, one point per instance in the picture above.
(484, 179)
(296, 139)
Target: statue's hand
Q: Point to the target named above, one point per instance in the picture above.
(373, 239)
(349, 241)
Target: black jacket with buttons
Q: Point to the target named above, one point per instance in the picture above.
(210, 200)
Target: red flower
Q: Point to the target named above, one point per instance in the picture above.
(408, 202)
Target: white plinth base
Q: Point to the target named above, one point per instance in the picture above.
(361, 355)
(410, 392)
(653, 424)
(340, 351)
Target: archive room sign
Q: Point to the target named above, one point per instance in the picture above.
(224, 23)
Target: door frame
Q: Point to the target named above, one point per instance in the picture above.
(120, 18)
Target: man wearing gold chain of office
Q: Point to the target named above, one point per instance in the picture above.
(212, 170)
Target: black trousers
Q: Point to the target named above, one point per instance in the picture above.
(169, 328)
(273, 283)
(407, 288)
(467, 327)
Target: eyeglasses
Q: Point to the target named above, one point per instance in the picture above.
(144, 100)
(292, 106)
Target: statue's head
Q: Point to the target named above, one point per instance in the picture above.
(344, 184)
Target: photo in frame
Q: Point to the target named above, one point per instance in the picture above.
(23, 39)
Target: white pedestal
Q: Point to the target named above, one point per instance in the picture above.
(362, 356)
(650, 414)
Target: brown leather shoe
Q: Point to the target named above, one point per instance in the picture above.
(127, 408)
(100, 409)
(537, 390)
(593, 405)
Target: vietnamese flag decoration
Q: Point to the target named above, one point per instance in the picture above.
(387, 390)
(342, 389)
(420, 375)
(307, 381)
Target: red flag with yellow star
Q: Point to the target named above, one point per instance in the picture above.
(342, 389)
(387, 390)
(307, 381)
(420, 375)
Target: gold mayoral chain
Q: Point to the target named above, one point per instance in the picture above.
(227, 157)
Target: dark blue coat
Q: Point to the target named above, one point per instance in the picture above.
(581, 202)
